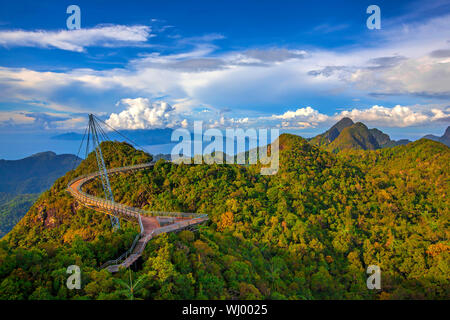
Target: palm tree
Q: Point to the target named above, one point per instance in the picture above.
(131, 288)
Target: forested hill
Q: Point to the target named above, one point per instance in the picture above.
(34, 174)
(308, 232)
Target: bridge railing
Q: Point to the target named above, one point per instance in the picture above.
(124, 255)
(90, 176)
(129, 211)
(114, 206)
(170, 228)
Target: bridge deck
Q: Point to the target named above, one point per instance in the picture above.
(149, 221)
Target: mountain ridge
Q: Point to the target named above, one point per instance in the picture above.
(346, 134)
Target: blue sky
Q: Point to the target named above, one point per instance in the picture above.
(296, 65)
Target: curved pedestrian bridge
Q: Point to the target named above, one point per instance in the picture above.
(151, 223)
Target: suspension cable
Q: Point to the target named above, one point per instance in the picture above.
(88, 138)
(146, 187)
(125, 137)
(79, 149)
(105, 137)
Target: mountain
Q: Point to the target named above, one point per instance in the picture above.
(34, 174)
(381, 137)
(445, 138)
(346, 134)
(356, 136)
(307, 232)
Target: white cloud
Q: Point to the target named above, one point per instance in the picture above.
(202, 77)
(405, 62)
(208, 79)
(441, 115)
(307, 113)
(77, 40)
(398, 116)
(140, 113)
(300, 118)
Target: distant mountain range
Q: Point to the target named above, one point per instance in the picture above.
(346, 134)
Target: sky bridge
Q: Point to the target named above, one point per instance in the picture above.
(151, 223)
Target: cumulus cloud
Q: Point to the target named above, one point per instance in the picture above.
(215, 79)
(140, 113)
(225, 122)
(77, 40)
(441, 115)
(300, 118)
(305, 113)
(397, 116)
(250, 79)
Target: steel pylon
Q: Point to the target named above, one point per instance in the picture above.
(93, 132)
